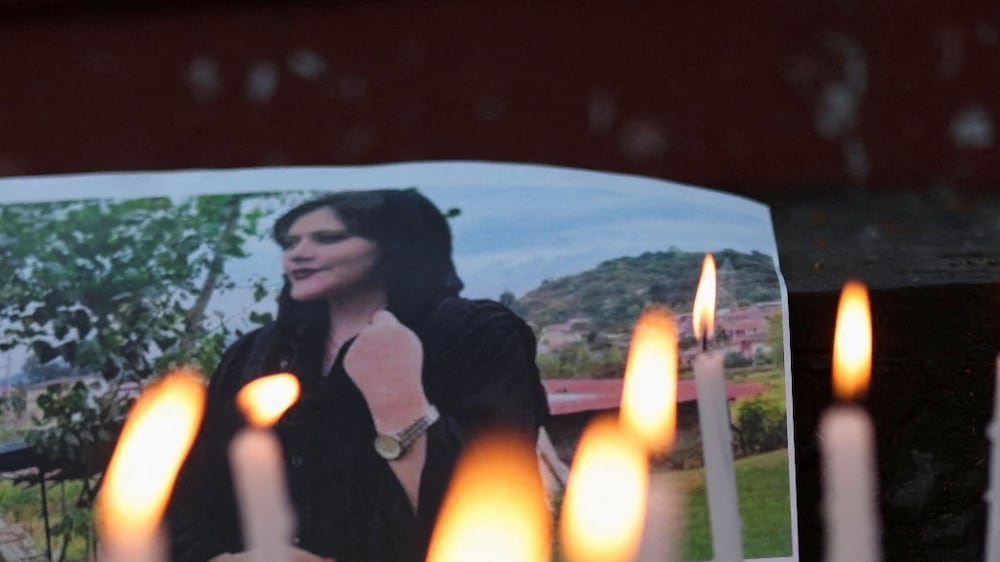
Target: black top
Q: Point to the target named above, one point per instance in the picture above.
(479, 370)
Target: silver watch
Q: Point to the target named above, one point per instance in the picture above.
(392, 446)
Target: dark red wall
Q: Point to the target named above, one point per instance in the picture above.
(780, 95)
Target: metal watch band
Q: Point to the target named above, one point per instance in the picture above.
(393, 445)
(413, 431)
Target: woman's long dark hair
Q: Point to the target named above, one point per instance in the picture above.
(414, 262)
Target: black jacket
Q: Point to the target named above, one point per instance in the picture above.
(479, 370)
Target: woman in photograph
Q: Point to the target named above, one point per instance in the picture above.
(370, 321)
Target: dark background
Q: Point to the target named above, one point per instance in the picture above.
(754, 97)
(869, 127)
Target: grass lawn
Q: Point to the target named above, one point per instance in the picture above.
(765, 507)
(772, 379)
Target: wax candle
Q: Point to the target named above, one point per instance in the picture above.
(649, 391)
(604, 508)
(614, 509)
(993, 494)
(847, 439)
(154, 441)
(258, 468)
(664, 526)
(713, 421)
(494, 510)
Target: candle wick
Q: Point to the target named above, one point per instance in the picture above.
(704, 340)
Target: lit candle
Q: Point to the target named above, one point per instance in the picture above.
(993, 494)
(613, 510)
(649, 410)
(847, 439)
(154, 441)
(494, 510)
(664, 526)
(258, 468)
(713, 419)
(649, 391)
(604, 507)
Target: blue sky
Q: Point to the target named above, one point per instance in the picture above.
(511, 238)
(519, 225)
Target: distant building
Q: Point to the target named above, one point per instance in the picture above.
(747, 328)
(557, 336)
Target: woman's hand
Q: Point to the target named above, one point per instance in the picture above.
(294, 555)
(385, 362)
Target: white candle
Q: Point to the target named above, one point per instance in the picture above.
(259, 471)
(649, 411)
(993, 494)
(713, 420)
(663, 531)
(849, 487)
(259, 479)
(495, 509)
(150, 546)
(605, 505)
(155, 439)
(847, 439)
(717, 452)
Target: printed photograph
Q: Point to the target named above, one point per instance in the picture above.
(426, 302)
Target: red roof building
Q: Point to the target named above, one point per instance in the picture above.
(569, 396)
(573, 402)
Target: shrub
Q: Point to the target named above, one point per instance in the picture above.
(735, 360)
(760, 426)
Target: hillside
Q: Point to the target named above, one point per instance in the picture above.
(612, 294)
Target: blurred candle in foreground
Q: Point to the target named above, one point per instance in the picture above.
(258, 468)
(649, 392)
(847, 439)
(494, 510)
(649, 410)
(154, 441)
(993, 494)
(604, 507)
(713, 420)
(608, 512)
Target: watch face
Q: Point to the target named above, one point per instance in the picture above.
(388, 447)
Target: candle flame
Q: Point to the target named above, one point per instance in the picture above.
(263, 401)
(703, 317)
(852, 343)
(649, 392)
(495, 508)
(604, 508)
(154, 442)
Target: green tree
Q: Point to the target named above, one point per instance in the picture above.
(115, 287)
(722, 337)
(508, 299)
(612, 293)
(658, 292)
(776, 339)
(735, 360)
(577, 361)
(613, 363)
(687, 341)
(761, 426)
(548, 365)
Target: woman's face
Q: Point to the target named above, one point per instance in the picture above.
(322, 260)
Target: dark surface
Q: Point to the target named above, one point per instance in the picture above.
(931, 259)
(766, 95)
(888, 238)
